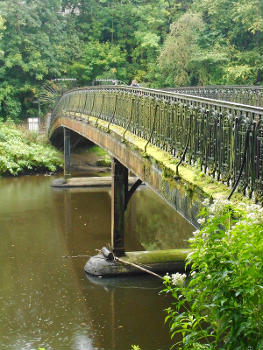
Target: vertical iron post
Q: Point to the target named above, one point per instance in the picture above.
(119, 189)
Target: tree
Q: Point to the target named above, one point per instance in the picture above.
(36, 47)
(158, 42)
(235, 29)
(100, 60)
(180, 46)
(223, 45)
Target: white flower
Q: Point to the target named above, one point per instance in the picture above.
(218, 205)
(254, 214)
(178, 279)
(205, 235)
(206, 202)
(201, 221)
(167, 277)
(195, 233)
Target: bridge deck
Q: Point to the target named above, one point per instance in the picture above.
(223, 139)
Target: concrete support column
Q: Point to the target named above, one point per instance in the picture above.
(66, 153)
(119, 189)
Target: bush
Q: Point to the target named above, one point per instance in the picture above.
(20, 154)
(222, 305)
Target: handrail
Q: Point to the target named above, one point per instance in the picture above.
(148, 92)
(239, 87)
(252, 95)
(216, 141)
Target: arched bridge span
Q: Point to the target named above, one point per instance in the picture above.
(224, 139)
(153, 132)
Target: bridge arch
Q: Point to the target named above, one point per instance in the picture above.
(130, 152)
(152, 132)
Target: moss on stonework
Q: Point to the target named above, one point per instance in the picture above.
(167, 173)
(190, 179)
(146, 168)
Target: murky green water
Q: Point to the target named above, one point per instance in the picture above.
(46, 300)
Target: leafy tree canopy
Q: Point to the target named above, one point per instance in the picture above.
(158, 42)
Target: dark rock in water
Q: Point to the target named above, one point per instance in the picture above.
(98, 265)
(161, 261)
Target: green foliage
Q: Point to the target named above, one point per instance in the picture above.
(158, 42)
(135, 347)
(21, 154)
(2, 26)
(225, 51)
(35, 46)
(98, 151)
(100, 60)
(180, 47)
(222, 305)
(104, 157)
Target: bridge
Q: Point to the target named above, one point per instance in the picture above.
(249, 95)
(164, 137)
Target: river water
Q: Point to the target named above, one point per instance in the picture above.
(46, 299)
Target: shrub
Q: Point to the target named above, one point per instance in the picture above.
(221, 306)
(20, 154)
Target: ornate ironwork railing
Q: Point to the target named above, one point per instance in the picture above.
(224, 139)
(250, 95)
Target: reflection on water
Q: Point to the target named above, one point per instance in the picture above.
(46, 300)
(154, 224)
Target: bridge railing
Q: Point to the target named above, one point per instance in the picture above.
(224, 139)
(250, 95)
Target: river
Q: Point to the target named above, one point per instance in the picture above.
(46, 299)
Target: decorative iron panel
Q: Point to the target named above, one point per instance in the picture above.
(223, 138)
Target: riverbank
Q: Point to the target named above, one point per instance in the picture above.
(23, 152)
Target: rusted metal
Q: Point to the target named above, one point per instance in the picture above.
(251, 95)
(218, 128)
(131, 191)
(243, 162)
(186, 147)
(119, 190)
